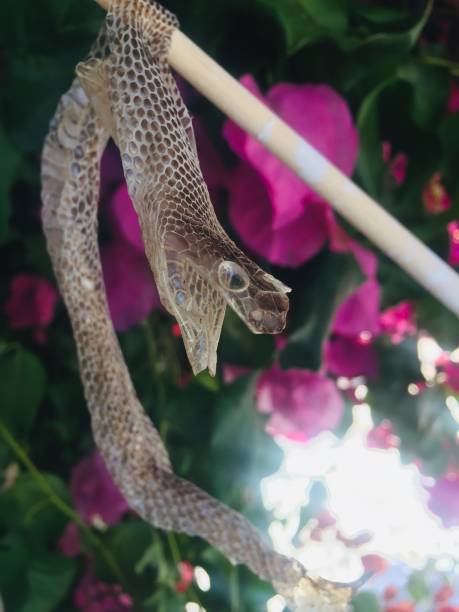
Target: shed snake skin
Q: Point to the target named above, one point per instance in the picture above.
(125, 90)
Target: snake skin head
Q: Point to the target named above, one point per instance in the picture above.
(203, 272)
(258, 298)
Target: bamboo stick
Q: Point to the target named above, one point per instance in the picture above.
(338, 190)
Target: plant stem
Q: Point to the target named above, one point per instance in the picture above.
(234, 590)
(54, 499)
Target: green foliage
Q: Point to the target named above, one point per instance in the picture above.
(397, 89)
(8, 168)
(32, 578)
(365, 602)
(22, 381)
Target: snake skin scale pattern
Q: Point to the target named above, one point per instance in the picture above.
(125, 90)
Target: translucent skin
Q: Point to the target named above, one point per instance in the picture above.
(129, 443)
(184, 241)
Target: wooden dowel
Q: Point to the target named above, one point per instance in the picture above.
(341, 193)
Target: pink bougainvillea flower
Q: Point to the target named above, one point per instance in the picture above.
(398, 321)
(382, 436)
(444, 498)
(453, 100)
(398, 168)
(233, 372)
(350, 357)
(95, 495)
(251, 214)
(327, 125)
(397, 164)
(31, 303)
(69, 542)
(451, 370)
(301, 403)
(434, 195)
(186, 571)
(131, 289)
(349, 352)
(125, 218)
(444, 593)
(374, 563)
(453, 232)
(341, 242)
(93, 595)
(111, 171)
(390, 592)
(402, 606)
(358, 315)
(276, 197)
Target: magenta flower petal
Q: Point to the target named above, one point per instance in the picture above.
(398, 168)
(130, 285)
(382, 436)
(453, 233)
(358, 315)
(453, 100)
(398, 321)
(93, 595)
(398, 165)
(186, 571)
(451, 370)
(282, 198)
(94, 493)
(251, 215)
(341, 242)
(350, 357)
(125, 217)
(111, 171)
(444, 498)
(69, 542)
(327, 125)
(31, 302)
(434, 196)
(233, 372)
(301, 403)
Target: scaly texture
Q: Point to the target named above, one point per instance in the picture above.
(129, 93)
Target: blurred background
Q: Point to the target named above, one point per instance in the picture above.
(338, 439)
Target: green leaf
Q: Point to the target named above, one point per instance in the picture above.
(430, 87)
(328, 285)
(14, 557)
(128, 542)
(26, 507)
(365, 602)
(48, 579)
(22, 384)
(238, 345)
(417, 586)
(395, 44)
(422, 422)
(380, 14)
(439, 321)
(8, 168)
(241, 452)
(370, 163)
(305, 21)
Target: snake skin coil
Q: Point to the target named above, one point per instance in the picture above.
(125, 89)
